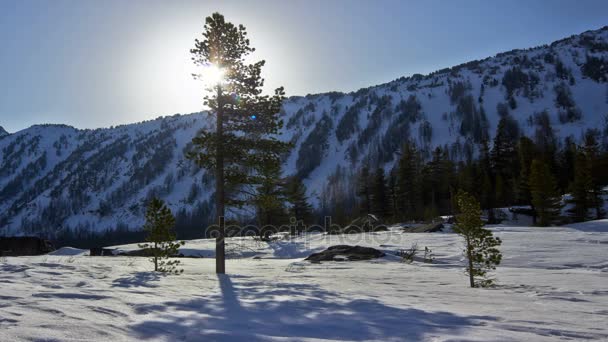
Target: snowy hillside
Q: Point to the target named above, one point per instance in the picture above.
(56, 177)
(551, 286)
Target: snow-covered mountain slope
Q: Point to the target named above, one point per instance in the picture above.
(3, 132)
(54, 177)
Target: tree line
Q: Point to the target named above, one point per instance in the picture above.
(516, 170)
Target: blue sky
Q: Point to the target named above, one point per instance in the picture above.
(100, 63)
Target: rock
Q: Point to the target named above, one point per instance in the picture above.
(345, 253)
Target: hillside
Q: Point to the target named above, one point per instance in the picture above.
(55, 177)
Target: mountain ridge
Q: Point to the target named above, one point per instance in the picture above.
(57, 177)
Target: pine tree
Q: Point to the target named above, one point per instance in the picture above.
(592, 154)
(380, 204)
(566, 161)
(408, 185)
(526, 152)
(581, 189)
(487, 185)
(364, 191)
(299, 208)
(439, 175)
(545, 139)
(247, 122)
(161, 239)
(392, 195)
(504, 161)
(481, 249)
(545, 197)
(269, 197)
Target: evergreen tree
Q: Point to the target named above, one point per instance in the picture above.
(439, 176)
(246, 121)
(299, 208)
(269, 197)
(160, 240)
(408, 185)
(364, 191)
(566, 163)
(487, 185)
(526, 152)
(480, 245)
(380, 202)
(545, 140)
(504, 162)
(545, 198)
(580, 190)
(392, 195)
(596, 171)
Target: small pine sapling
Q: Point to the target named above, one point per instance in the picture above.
(161, 239)
(407, 255)
(480, 245)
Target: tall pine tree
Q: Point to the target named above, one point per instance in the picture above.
(364, 191)
(504, 162)
(408, 183)
(592, 153)
(545, 197)
(380, 202)
(580, 189)
(246, 122)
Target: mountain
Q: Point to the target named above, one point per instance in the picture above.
(3, 132)
(55, 177)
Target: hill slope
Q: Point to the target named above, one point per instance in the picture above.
(54, 177)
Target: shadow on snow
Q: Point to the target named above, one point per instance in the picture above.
(257, 310)
(143, 279)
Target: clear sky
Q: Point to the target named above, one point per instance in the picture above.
(99, 63)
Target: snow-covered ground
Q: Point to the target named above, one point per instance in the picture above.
(552, 285)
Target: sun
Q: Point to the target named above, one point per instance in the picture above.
(212, 75)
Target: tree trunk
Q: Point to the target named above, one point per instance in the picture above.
(155, 257)
(470, 257)
(220, 257)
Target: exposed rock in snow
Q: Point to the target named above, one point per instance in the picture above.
(346, 253)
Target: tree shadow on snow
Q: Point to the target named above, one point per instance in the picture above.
(139, 279)
(255, 310)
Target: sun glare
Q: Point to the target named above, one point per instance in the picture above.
(212, 75)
